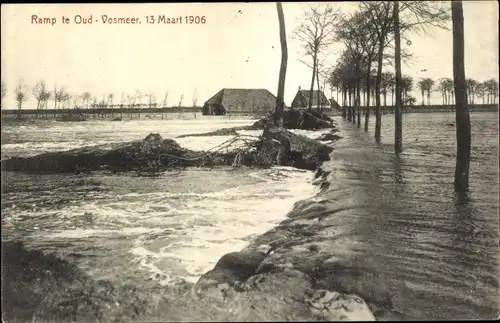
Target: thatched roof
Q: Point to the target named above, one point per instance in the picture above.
(244, 99)
(302, 99)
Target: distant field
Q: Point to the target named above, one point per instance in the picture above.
(190, 112)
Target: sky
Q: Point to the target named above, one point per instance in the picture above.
(237, 47)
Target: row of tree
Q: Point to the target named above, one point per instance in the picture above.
(372, 37)
(62, 99)
(487, 90)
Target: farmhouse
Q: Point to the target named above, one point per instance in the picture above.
(240, 101)
(301, 100)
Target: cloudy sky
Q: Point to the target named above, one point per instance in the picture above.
(237, 47)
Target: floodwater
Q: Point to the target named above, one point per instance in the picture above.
(176, 225)
(437, 252)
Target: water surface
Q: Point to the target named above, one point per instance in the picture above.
(437, 252)
(173, 225)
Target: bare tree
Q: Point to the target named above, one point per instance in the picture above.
(122, 103)
(86, 97)
(40, 92)
(472, 90)
(195, 100)
(66, 99)
(462, 110)
(180, 105)
(382, 22)
(352, 61)
(20, 92)
(319, 72)
(280, 101)
(398, 132)
(151, 100)
(425, 85)
(45, 101)
(446, 88)
(109, 103)
(316, 32)
(76, 101)
(492, 88)
(4, 91)
(413, 17)
(130, 100)
(137, 100)
(165, 102)
(111, 97)
(59, 95)
(359, 34)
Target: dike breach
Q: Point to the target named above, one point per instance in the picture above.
(295, 271)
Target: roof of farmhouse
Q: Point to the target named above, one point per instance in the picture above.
(243, 99)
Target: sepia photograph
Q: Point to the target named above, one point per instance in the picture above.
(250, 161)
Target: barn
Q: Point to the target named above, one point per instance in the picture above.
(301, 100)
(240, 101)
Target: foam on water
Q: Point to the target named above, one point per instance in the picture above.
(224, 222)
(48, 136)
(178, 234)
(171, 226)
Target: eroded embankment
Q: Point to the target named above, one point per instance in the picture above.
(155, 154)
(289, 273)
(299, 270)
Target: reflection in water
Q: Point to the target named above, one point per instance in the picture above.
(398, 172)
(437, 251)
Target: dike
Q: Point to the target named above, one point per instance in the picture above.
(298, 270)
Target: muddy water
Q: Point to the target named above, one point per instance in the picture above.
(438, 252)
(174, 225)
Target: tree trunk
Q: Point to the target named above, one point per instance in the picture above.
(19, 106)
(463, 132)
(358, 101)
(353, 103)
(344, 103)
(378, 116)
(309, 108)
(367, 113)
(37, 108)
(318, 105)
(349, 108)
(357, 96)
(280, 104)
(398, 130)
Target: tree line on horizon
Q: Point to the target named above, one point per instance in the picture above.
(487, 90)
(62, 99)
(372, 37)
